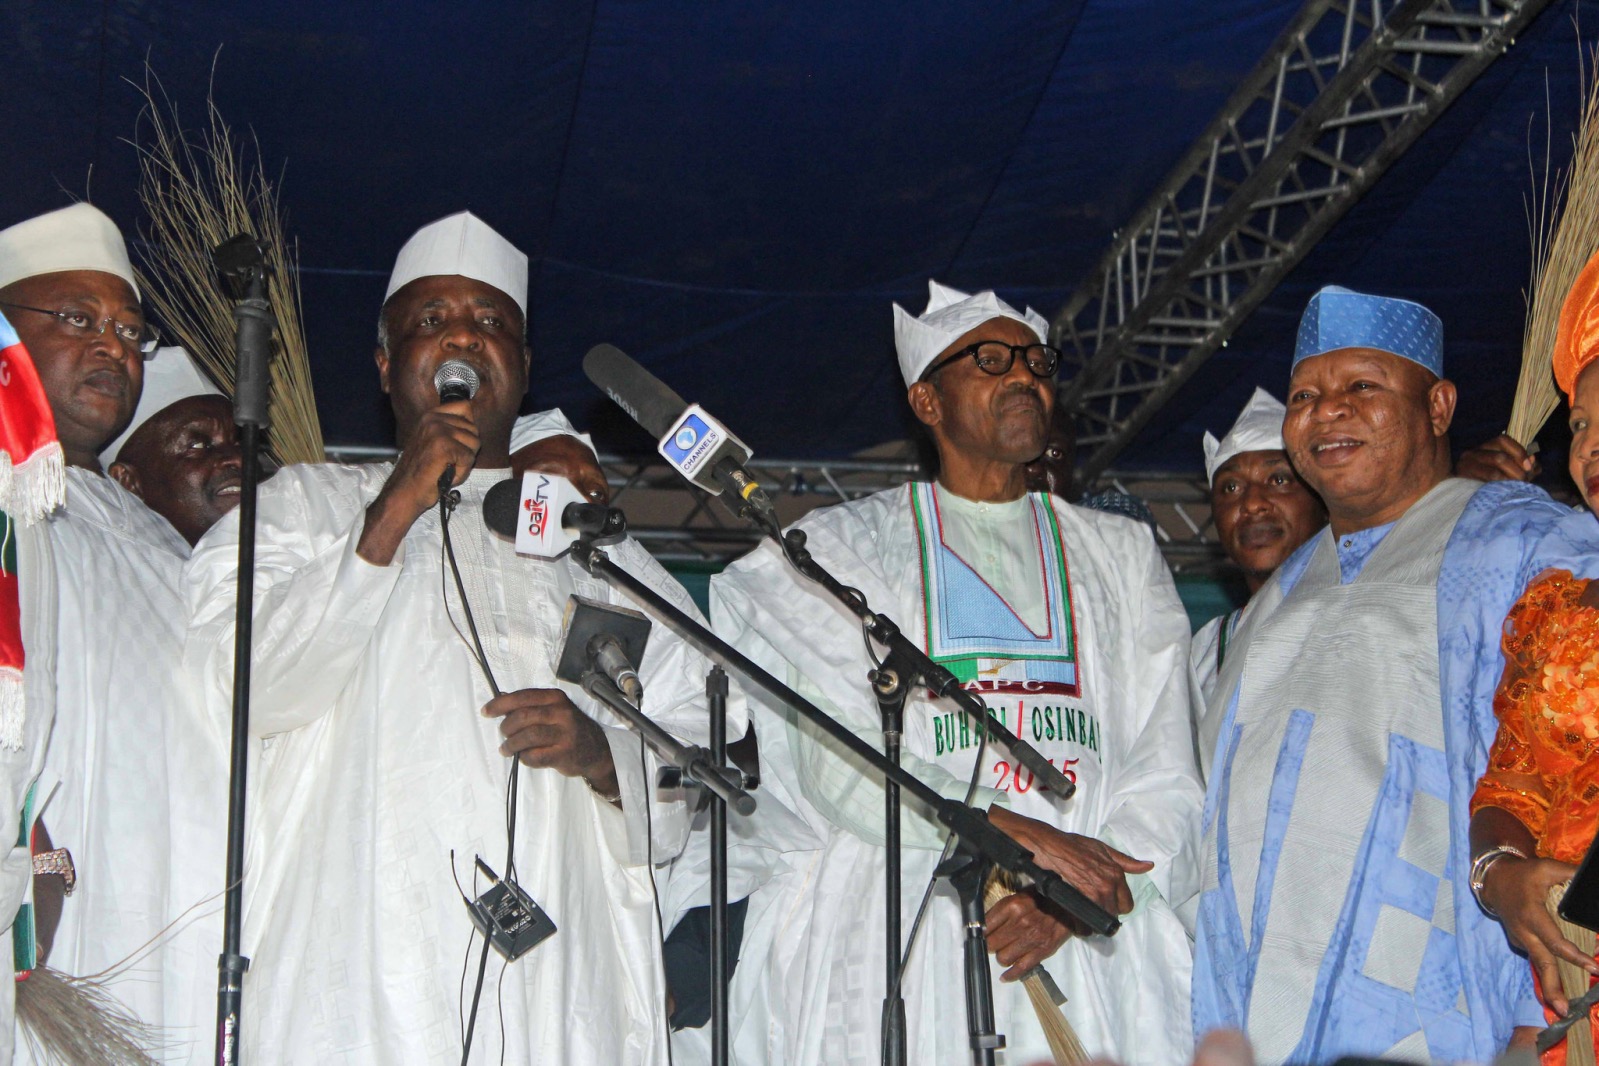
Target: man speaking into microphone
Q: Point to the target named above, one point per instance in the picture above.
(385, 756)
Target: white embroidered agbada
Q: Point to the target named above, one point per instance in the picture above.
(142, 799)
(809, 986)
(20, 766)
(376, 764)
(1206, 654)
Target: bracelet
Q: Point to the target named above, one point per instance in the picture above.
(1479, 872)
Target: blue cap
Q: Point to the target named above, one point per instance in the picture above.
(1338, 318)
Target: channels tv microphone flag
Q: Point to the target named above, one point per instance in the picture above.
(718, 460)
(695, 444)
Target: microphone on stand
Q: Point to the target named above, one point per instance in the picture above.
(606, 638)
(695, 444)
(546, 514)
(456, 380)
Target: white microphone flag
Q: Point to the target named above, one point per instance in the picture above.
(544, 501)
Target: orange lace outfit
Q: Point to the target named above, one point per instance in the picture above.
(1542, 767)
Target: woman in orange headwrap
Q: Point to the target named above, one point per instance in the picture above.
(1536, 809)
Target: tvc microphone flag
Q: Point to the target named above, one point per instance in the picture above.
(32, 484)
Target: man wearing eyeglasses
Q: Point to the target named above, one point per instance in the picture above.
(1067, 623)
(133, 778)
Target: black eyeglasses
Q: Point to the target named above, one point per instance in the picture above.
(142, 338)
(997, 357)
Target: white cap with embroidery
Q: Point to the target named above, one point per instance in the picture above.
(466, 245)
(950, 313)
(170, 375)
(1259, 428)
(79, 237)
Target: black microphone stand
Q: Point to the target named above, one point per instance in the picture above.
(905, 667)
(890, 688)
(241, 260)
(716, 699)
(695, 766)
(984, 844)
(685, 763)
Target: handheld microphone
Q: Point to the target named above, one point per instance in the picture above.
(695, 444)
(455, 380)
(603, 637)
(545, 514)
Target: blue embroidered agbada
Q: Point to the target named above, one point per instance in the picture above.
(1407, 964)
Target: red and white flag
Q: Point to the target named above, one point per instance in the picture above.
(32, 484)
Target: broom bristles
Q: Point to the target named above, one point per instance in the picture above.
(72, 1022)
(196, 195)
(1574, 980)
(1064, 1046)
(1563, 220)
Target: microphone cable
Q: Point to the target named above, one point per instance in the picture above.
(448, 499)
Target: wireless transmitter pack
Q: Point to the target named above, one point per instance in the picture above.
(508, 917)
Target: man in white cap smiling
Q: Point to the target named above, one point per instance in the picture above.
(388, 755)
(1067, 623)
(180, 453)
(139, 798)
(1354, 713)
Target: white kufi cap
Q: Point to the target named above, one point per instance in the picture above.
(170, 375)
(1258, 429)
(530, 429)
(79, 237)
(950, 313)
(466, 245)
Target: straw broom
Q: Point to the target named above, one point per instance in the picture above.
(197, 194)
(1063, 1043)
(1574, 980)
(71, 1021)
(1560, 247)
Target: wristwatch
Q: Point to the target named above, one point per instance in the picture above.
(1479, 871)
(58, 861)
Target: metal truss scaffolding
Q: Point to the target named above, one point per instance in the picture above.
(1345, 90)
